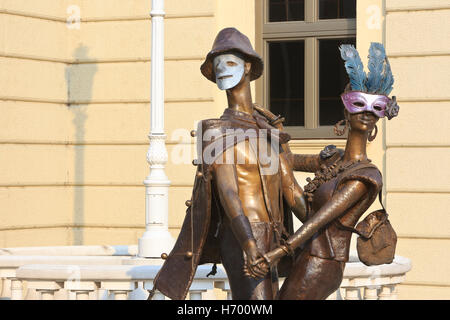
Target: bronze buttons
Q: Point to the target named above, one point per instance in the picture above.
(188, 203)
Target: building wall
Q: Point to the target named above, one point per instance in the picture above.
(75, 117)
(417, 142)
(75, 113)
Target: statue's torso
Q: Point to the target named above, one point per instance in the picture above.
(259, 193)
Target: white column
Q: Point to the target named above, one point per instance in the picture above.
(157, 239)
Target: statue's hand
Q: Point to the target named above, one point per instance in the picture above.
(255, 265)
(258, 268)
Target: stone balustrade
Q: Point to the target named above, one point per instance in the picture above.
(82, 282)
(363, 282)
(113, 272)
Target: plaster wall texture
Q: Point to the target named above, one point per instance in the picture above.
(417, 143)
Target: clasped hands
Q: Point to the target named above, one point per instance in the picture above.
(257, 265)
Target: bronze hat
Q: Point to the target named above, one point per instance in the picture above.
(229, 40)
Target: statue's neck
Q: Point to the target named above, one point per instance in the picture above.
(355, 148)
(240, 97)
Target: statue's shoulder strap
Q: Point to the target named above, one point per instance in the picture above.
(271, 118)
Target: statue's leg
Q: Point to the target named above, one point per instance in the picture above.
(312, 278)
(244, 287)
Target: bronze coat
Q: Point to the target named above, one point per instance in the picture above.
(197, 242)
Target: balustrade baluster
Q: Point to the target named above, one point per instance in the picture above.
(225, 286)
(80, 289)
(47, 294)
(82, 294)
(6, 289)
(386, 292)
(120, 289)
(195, 295)
(45, 289)
(16, 289)
(120, 294)
(352, 293)
(370, 293)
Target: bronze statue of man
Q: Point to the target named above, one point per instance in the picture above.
(240, 209)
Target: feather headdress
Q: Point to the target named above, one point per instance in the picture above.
(354, 67)
(380, 78)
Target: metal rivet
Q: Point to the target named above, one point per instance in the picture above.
(189, 254)
(164, 256)
(193, 133)
(188, 203)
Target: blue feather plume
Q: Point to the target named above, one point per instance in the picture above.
(388, 79)
(354, 67)
(377, 55)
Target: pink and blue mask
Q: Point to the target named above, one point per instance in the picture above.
(357, 102)
(379, 105)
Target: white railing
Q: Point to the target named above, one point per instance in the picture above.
(99, 282)
(111, 272)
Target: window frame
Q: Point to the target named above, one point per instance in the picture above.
(311, 30)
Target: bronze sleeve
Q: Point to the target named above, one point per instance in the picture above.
(341, 201)
(305, 162)
(242, 229)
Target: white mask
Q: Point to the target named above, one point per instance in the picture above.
(229, 69)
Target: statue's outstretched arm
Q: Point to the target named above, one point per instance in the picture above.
(312, 162)
(351, 192)
(305, 162)
(292, 192)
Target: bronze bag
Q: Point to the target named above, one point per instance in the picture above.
(377, 239)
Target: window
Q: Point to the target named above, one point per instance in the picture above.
(304, 74)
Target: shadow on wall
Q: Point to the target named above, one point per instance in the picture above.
(79, 77)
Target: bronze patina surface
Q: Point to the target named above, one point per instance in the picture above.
(236, 213)
(342, 190)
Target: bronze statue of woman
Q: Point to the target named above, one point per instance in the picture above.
(342, 191)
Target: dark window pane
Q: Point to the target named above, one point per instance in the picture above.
(287, 87)
(332, 80)
(337, 9)
(286, 10)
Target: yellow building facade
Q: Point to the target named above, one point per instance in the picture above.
(75, 114)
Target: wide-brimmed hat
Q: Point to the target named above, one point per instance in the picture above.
(231, 40)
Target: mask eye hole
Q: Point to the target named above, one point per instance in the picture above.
(358, 104)
(231, 63)
(377, 108)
